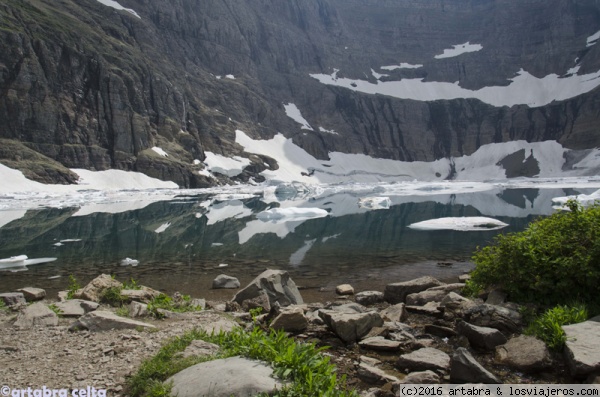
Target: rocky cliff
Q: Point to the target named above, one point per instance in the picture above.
(88, 85)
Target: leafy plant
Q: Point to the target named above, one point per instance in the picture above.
(122, 311)
(254, 313)
(180, 305)
(132, 284)
(3, 305)
(55, 309)
(73, 287)
(113, 297)
(547, 326)
(556, 259)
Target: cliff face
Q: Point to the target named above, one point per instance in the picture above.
(88, 86)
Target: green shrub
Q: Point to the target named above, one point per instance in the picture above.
(165, 302)
(73, 287)
(554, 260)
(547, 326)
(113, 297)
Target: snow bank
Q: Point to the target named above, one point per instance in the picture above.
(117, 6)
(226, 165)
(459, 49)
(475, 223)
(292, 213)
(160, 151)
(293, 112)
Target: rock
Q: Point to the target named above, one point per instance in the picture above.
(94, 289)
(200, 348)
(344, 289)
(496, 297)
(465, 369)
(453, 299)
(484, 315)
(144, 294)
(76, 307)
(464, 278)
(223, 281)
(348, 308)
(373, 375)
(11, 299)
(481, 337)
(525, 353)
(350, 327)
(420, 378)
(291, 319)
(233, 376)
(448, 287)
(426, 358)
(429, 309)
(379, 343)
(581, 350)
(276, 285)
(395, 312)
(36, 315)
(261, 301)
(197, 302)
(63, 296)
(423, 297)
(32, 294)
(369, 297)
(100, 320)
(397, 292)
(138, 309)
(438, 330)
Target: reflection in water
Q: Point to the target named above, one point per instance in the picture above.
(179, 245)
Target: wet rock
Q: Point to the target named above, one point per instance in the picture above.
(397, 292)
(76, 307)
(426, 358)
(291, 319)
(373, 375)
(94, 290)
(32, 294)
(344, 289)
(276, 285)
(423, 297)
(350, 327)
(223, 281)
(36, 315)
(465, 369)
(420, 378)
(379, 343)
(395, 312)
(481, 337)
(525, 353)
(221, 378)
(200, 348)
(581, 350)
(100, 320)
(11, 299)
(367, 298)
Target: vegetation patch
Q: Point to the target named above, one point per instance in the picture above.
(301, 363)
(181, 304)
(547, 326)
(73, 287)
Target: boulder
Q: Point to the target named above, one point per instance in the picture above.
(223, 281)
(348, 308)
(395, 312)
(582, 350)
(291, 319)
(506, 320)
(438, 330)
(369, 298)
(12, 299)
(344, 289)
(94, 290)
(430, 309)
(525, 353)
(276, 285)
(138, 309)
(144, 294)
(448, 287)
(420, 378)
(465, 369)
(496, 297)
(380, 343)
(100, 320)
(423, 297)
(370, 374)
(32, 294)
(397, 292)
(36, 315)
(350, 327)
(233, 376)
(452, 298)
(426, 358)
(76, 307)
(481, 337)
(200, 348)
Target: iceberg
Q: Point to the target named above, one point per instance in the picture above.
(19, 263)
(292, 213)
(464, 224)
(375, 203)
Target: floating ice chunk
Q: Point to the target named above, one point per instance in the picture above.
(130, 262)
(473, 223)
(459, 49)
(19, 263)
(117, 6)
(375, 203)
(293, 112)
(293, 213)
(583, 199)
(54, 277)
(160, 151)
(59, 244)
(162, 227)
(14, 259)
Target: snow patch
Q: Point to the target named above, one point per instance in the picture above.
(459, 49)
(403, 65)
(321, 129)
(465, 224)
(583, 199)
(230, 77)
(292, 111)
(162, 227)
(8, 216)
(378, 76)
(19, 263)
(117, 6)
(593, 39)
(226, 165)
(297, 257)
(160, 151)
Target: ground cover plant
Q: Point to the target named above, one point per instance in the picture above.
(555, 260)
(310, 372)
(547, 326)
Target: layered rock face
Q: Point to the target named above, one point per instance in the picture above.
(89, 86)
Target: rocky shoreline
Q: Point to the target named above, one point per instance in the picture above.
(419, 331)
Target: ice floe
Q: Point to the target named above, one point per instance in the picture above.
(19, 263)
(293, 213)
(473, 223)
(130, 262)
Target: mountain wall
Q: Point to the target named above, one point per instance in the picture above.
(85, 85)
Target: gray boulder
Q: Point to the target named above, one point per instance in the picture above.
(496, 297)
(223, 281)
(233, 376)
(420, 378)
(350, 327)
(11, 299)
(525, 353)
(348, 308)
(103, 321)
(395, 312)
(138, 309)
(423, 297)
(344, 289)
(275, 285)
(481, 337)
(452, 298)
(94, 290)
(370, 374)
(397, 292)
(426, 358)
(582, 348)
(504, 319)
(448, 287)
(144, 294)
(465, 369)
(32, 294)
(36, 315)
(76, 307)
(369, 297)
(380, 343)
(291, 319)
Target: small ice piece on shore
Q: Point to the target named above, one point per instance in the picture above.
(465, 224)
(375, 203)
(292, 213)
(130, 262)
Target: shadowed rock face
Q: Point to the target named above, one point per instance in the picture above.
(88, 86)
